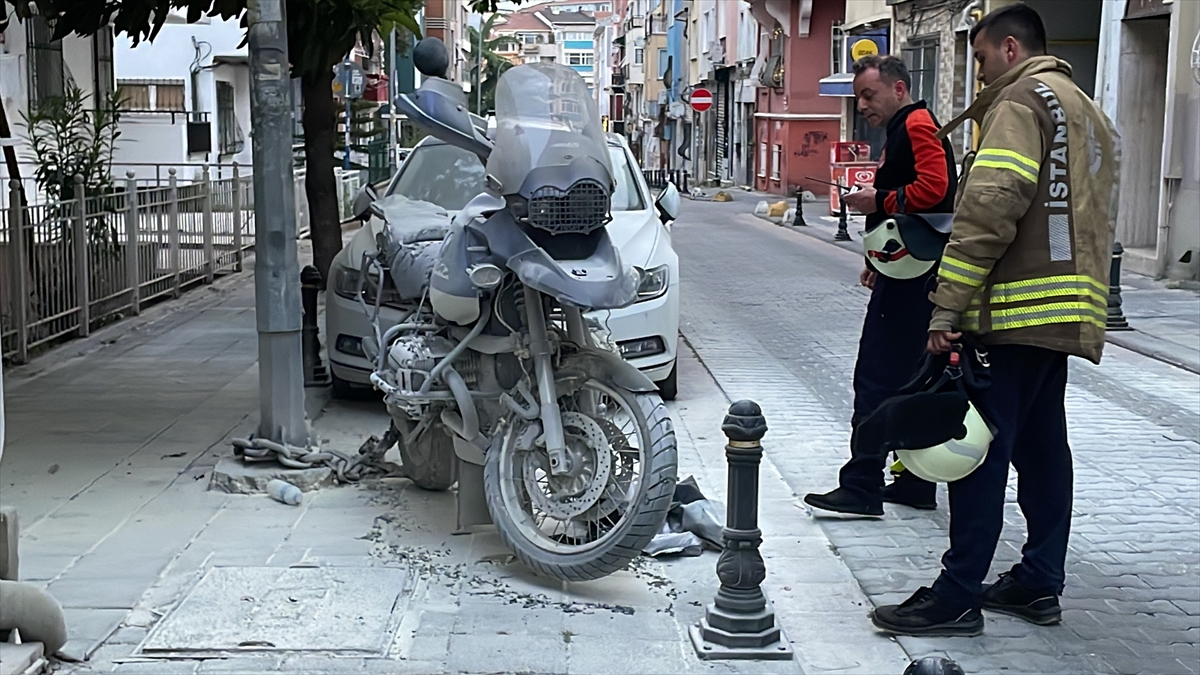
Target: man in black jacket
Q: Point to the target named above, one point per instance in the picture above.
(916, 175)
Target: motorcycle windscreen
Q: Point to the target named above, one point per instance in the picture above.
(544, 118)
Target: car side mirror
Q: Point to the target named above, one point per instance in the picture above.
(364, 202)
(668, 203)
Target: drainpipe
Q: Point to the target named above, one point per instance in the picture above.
(971, 16)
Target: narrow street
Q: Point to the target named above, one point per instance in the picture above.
(775, 314)
(113, 441)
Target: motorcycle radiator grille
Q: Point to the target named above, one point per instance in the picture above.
(581, 209)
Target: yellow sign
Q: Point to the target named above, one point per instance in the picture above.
(863, 48)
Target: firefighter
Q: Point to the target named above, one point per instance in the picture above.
(1024, 272)
(916, 175)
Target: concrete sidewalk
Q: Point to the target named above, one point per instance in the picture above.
(1163, 316)
(112, 443)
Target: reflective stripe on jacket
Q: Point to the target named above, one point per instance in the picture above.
(1034, 216)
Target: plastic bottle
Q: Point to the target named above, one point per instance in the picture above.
(284, 492)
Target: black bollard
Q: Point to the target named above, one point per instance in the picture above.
(740, 623)
(933, 665)
(315, 374)
(843, 234)
(798, 219)
(1116, 317)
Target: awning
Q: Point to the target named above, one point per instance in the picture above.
(841, 84)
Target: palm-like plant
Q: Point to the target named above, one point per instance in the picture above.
(487, 65)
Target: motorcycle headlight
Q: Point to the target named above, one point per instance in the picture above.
(345, 282)
(653, 283)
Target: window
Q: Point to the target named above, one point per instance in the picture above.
(662, 63)
(45, 62)
(579, 59)
(531, 38)
(639, 55)
(577, 36)
(921, 56)
(547, 59)
(144, 96)
(747, 36)
(762, 160)
(232, 140)
(776, 153)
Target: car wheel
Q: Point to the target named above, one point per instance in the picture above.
(668, 388)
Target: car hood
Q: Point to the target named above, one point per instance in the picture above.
(635, 234)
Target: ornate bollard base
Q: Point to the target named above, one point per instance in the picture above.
(740, 636)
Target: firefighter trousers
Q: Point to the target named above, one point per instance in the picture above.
(1025, 404)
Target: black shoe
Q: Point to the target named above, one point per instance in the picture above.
(927, 614)
(908, 490)
(842, 500)
(1008, 596)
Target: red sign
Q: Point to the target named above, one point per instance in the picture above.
(701, 99)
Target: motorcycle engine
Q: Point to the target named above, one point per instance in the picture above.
(412, 357)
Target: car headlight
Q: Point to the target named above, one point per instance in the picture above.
(345, 282)
(653, 282)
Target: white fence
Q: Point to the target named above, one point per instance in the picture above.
(69, 267)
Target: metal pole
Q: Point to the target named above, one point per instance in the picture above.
(479, 72)
(740, 624)
(238, 254)
(82, 296)
(392, 137)
(346, 157)
(16, 259)
(206, 224)
(173, 228)
(277, 267)
(133, 275)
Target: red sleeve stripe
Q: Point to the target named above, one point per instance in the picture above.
(932, 180)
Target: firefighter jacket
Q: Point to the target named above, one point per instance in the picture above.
(1034, 217)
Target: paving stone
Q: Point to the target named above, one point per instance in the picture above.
(508, 653)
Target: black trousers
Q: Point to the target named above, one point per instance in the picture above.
(890, 351)
(1025, 403)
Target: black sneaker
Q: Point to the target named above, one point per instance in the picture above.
(927, 614)
(908, 490)
(1008, 596)
(842, 500)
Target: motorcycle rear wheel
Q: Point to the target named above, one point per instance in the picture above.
(610, 531)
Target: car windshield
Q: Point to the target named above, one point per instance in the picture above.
(450, 177)
(442, 175)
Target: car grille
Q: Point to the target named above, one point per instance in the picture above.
(581, 209)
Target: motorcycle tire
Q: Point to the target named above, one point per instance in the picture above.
(633, 532)
(429, 462)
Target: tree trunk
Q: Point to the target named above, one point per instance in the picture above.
(320, 186)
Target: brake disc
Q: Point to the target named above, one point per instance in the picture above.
(572, 494)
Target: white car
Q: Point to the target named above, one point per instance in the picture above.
(444, 176)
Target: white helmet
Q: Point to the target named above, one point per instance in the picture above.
(886, 253)
(956, 458)
(907, 245)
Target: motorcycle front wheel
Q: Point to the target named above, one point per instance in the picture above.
(596, 518)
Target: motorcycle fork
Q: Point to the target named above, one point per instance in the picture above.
(539, 347)
(578, 333)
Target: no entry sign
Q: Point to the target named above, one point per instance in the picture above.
(701, 99)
